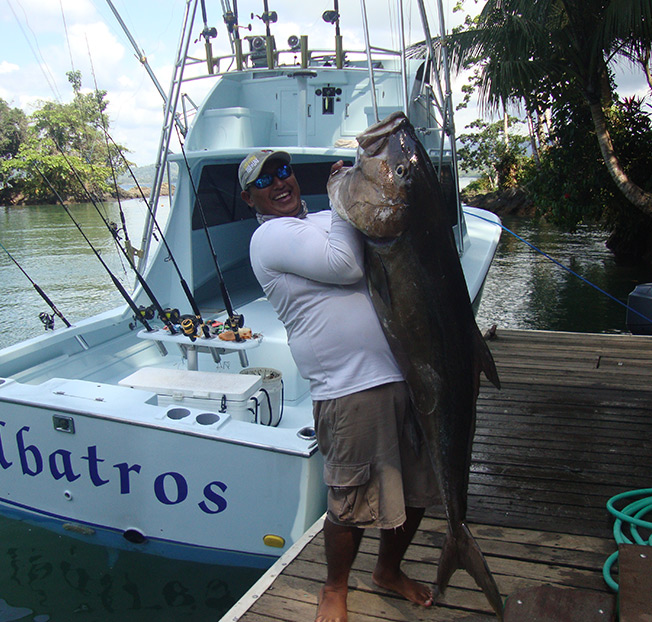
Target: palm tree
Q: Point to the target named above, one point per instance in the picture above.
(536, 49)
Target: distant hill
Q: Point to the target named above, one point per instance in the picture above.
(145, 176)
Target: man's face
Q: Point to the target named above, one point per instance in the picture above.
(281, 198)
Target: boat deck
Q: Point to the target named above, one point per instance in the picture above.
(571, 427)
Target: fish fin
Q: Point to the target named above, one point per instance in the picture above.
(462, 551)
(487, 363)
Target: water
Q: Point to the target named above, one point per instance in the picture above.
(526, 290)
(50, 578)
(46, 577)
(48, 246)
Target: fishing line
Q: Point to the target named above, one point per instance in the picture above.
(182, 281)
(561, 265)
(139, 315)
(235, 321)
(163, 316)
(39, 57)
(65, 29)
(47, 300)
(128, 245)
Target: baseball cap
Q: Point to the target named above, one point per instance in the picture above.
(250, 167)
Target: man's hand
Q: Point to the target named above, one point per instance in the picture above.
(337, 166)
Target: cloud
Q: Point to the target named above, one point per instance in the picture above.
(6, 67)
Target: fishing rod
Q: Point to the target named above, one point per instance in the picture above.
(268, 17)
(182, 281)
(48, 321)
(235, 320)
(209, 32)
(188, 324)
(163, 316)
(139, 314)
(231, 21)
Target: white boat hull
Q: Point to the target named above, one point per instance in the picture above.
(105, 462)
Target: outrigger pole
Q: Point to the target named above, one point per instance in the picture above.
(47, 300)
(234, 320)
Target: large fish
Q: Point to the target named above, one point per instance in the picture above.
(418, 289)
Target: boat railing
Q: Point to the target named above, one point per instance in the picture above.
(286, 59)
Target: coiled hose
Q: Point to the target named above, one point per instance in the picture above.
(629, 519)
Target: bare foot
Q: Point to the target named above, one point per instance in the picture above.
(409, 588)
(332, 605)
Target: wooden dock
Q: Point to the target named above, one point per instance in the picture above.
(571, 427)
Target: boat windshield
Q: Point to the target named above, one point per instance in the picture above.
(219, 192)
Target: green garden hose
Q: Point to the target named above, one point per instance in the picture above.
(630, 518)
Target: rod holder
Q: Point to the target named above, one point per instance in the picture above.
(339, 52)
(305, 54)
(269, 48)
(238, 54)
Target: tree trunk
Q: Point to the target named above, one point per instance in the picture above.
(506, 126)
(635, 195)
(533, 137)
(644, 59)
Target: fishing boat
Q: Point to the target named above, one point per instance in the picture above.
(143, 427)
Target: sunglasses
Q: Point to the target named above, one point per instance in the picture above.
(282, 172)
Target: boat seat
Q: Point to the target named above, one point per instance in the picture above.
(181, 383)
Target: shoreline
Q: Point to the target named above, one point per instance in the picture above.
(124, 193)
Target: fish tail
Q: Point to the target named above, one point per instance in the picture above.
(460, 550)
(487, 364)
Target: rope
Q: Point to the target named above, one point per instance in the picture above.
(631, 517)
(561, 265)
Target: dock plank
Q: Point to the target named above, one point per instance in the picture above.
(571, 427)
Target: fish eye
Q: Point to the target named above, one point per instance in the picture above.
(400, 170)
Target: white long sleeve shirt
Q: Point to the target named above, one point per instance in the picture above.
(311, 270)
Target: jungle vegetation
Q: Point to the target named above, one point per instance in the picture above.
(589, 151)
(67, 144)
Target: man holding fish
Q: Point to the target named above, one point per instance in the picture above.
(311, 267)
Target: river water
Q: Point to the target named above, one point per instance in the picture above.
(45, 577)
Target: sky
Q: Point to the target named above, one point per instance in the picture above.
(43, 39)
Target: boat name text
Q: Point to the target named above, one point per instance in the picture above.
(170, 488)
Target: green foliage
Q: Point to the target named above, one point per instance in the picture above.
(63, 142)
(486, 151)
(558, 55)
(572, 183)
(13, 127)
(13, 130)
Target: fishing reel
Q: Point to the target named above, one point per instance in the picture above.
(171, 315)
(47, 319)
(189, 325)
(234, 322)
(146, 313)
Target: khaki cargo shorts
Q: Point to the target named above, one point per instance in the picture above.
(370, 466)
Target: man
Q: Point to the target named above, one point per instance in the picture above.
(311, 269)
